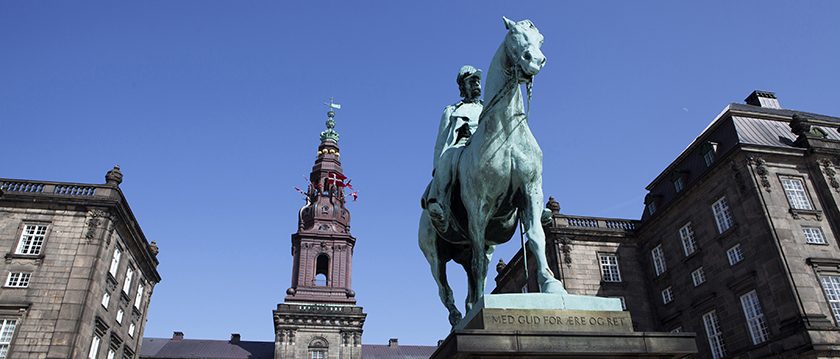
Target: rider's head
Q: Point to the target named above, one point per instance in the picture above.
(469, 82)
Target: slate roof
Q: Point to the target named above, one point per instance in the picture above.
(166, 348)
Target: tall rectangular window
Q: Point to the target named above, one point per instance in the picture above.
(687, 238)
(813, 235)
(18, 279)
(658, 260)
(94, 347)
(710, 321)
(609, 268)
(667, 296)
(120, 314)
(698, 276)
(7, 330)
(735, 254)
(131, 328)
(139, 298)
(32, 239)
(111, 353)
(755, 318)
(127, 284)
(115, 262)
(678, 184)
(795, 192)
(708, 150)
(831, 286)
(106, 299)
(722, 215)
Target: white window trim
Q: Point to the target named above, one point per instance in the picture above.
(687, 239)
(120, 314)
(129, 274)
(32, 239)
(723, 216)
(813, 235)
(609, 267)
(658, 257)
(796, 194)
(131, 328)
(755, 318)
(831, 288)
(735, 254)
(111, 353)
(94, 347)
(138, 300)
(715, 336)
(18, 279)
(106, 299)
(7, 331)
(698, 276)
(667, 295)
(115, 262)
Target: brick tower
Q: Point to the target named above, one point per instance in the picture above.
(319, 318)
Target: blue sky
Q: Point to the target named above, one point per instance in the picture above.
(213, 110)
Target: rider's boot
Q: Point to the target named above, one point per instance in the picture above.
(439, 219)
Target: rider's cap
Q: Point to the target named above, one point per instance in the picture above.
(466, 72)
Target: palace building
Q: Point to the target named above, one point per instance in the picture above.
(78, 273)
(738, 240)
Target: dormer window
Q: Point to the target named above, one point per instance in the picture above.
(678, 178)
(708, 152)
(650, 203)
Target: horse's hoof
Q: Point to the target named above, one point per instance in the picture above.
(554, 286)
(454, 318)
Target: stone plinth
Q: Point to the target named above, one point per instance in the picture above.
(490, 344)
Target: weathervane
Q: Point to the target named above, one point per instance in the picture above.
(330, 134)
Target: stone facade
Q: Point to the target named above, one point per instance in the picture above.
(69, 250)
(319, 318)
(738, 240)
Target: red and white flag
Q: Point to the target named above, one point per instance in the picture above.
(337, 179)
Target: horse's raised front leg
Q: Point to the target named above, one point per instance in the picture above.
(531, 219)
(428, 241)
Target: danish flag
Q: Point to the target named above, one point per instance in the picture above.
(337, 179)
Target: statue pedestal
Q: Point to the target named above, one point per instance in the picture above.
(556, 326)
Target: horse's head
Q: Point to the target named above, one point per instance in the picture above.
(522, 45)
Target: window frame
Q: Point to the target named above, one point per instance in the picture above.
(138, 299)
(23, 277)
(687, 239)
(698, 276)
(797, 197)
(832, 295)
(723, 215)
(708, 152)
(754, 315)
(714, 335)
(814, 230)
(19, 248)
(667, 295)
(95, 342)
(115, 262)
(658, 258)
(7, 334)
(738, 257)
(613, 277)
(129, 274)
(106, 300)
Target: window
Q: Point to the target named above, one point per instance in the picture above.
(115, 262)
(831, 286)
(698, 276)
(734, 254)
(651, 207)
(106, 298)
(813, 235)
(317, 354)
(32, 239)
(139, 298)
(623, 304)
(667, 296)
(710, 321)
(127, 285)
(708, 152)
(111, 353)
(131, 328)
(94, 347)
(18, 280)
(687, 237)
(755, 318)
(658, 260)
(609, 268)
(722, 215)
(678, 184)
(7, 330)
(676, 330)
(795, 192)
(120, 314)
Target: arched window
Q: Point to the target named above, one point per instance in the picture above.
(322, 269)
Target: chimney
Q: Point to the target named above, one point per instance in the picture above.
(763, 99)
(393, 342)
(234, 338)
(178, 336)
(440, 341)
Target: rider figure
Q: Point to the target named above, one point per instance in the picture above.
(458, 122)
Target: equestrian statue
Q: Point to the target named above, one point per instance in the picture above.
(487, 181)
